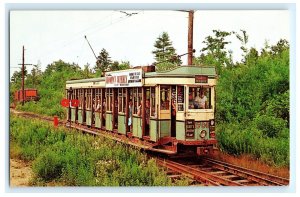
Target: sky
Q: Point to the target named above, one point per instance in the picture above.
(52, 35)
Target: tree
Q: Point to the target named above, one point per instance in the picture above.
(35, 76)
(244, 40)
(17, 76)
(251, 57)
(87, 72)
(124, 65)
(215, 53)
(281, 46)
(119, 66)
(103, 62)
(165, 54)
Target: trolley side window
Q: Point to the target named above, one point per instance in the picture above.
(200, 97)
(122, 99)
(152, 102)
(81, 98)
(98, 100)
(180, 98)
(164, 98)
(109, 95)
(88, 98)
(137, 101)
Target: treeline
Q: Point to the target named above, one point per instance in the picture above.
(252, 109)
(253, 106)
(51, 83)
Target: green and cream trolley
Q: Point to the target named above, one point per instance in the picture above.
(171, 111)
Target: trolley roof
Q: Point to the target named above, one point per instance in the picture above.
(185, 71)
(181, 71)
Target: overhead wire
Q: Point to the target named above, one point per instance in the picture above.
(95, 29)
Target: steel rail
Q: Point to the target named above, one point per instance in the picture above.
(256, 176)
(197, 174)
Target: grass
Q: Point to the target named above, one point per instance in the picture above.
(237, 140)
(250, 162)
(67, 158)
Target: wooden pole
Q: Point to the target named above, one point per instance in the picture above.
(190, 37)
(23, 62)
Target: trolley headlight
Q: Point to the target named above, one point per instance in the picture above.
(203, 134)
(212, 122)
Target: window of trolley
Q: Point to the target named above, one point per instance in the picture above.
(200, 97)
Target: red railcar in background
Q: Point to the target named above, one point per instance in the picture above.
(29, 95)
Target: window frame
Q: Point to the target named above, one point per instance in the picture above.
(121, 100)
(109, 95)
(209, 98)
(168, 96)
(153, 110)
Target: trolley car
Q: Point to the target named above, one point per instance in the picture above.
(168, 112)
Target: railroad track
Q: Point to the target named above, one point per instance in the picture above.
(251, 176)
(205, 171)
(37, 116)
(210, 172)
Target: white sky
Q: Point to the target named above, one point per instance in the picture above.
(52, 35)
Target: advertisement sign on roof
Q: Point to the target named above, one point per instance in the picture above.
(126, 78)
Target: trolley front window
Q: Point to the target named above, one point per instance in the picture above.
(200, 97)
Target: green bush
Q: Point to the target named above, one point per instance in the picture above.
(270, 126)
(48, 165)
(241, 138)
(252, 106)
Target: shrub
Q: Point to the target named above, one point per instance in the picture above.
(48, 165)
(269, 125)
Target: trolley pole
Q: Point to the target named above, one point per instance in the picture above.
(190, 37)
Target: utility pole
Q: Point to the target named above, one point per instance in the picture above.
(23, 74)
(23, 62)
(190, 37)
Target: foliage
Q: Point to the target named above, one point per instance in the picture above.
(214, 53)
(244, 40)
(87, 72)
(119, 66)
(245, 137)
(165, 54)
(75, 159)
(52, 87)
(103, 61)
(253, 105)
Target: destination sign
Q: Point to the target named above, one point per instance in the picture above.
(189, 128)
(201, 79)
(126, 78)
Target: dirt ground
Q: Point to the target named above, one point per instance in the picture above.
(20, 173)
